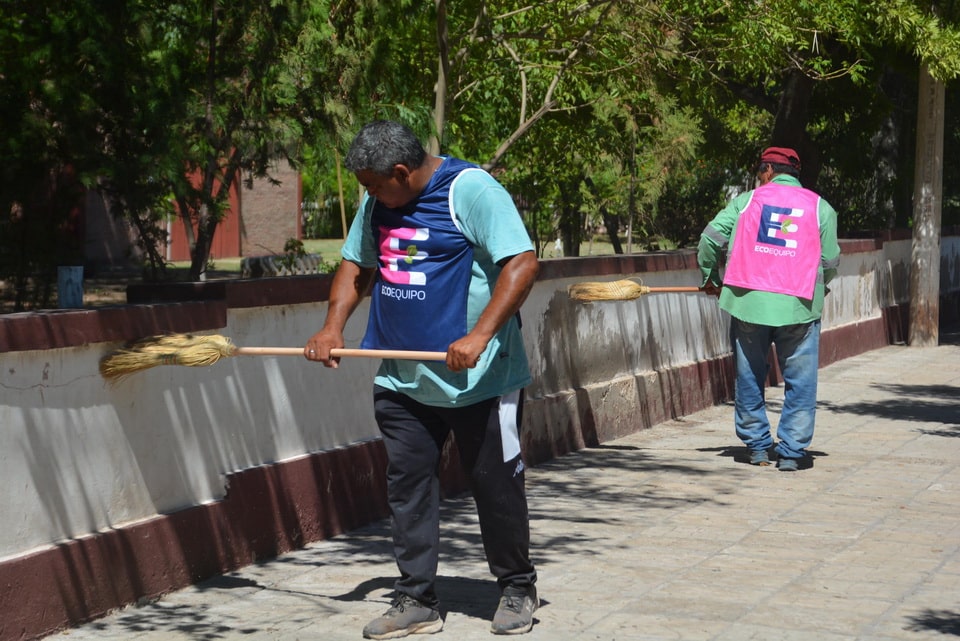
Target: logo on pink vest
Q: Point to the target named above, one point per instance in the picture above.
(776, 246)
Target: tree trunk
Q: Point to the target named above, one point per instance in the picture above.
(443, 70)
(343, 204)
(202, 245)
(790, 125)
(928, 194)
(569, 228)
(612, 223)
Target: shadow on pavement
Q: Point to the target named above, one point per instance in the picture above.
(182, 618)
(942, 621)
(911, 403)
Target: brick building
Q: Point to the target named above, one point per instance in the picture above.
(262, 216)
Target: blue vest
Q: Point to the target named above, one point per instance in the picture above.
(419, 298)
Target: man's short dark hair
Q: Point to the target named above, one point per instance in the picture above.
(781, 169)
(382, 144)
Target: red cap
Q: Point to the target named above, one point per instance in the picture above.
(781, 156)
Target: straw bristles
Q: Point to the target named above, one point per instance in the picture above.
(172, 349)
(612, 290)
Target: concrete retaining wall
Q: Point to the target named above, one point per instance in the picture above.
(116, 492)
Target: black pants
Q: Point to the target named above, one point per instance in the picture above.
(414, 435)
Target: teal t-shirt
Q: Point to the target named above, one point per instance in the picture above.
(767, 308)
(486, 215)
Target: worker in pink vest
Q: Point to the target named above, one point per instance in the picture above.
(780, 244)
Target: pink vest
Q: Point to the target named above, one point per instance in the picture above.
(777, 243)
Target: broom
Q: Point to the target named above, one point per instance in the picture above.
(200, 351)
(626, 289)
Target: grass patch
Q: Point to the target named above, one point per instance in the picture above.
(329, 250)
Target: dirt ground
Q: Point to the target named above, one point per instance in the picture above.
(97, 292)
(101, 291)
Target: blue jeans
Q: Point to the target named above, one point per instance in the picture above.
(798, 354)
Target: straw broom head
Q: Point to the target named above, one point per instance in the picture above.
(626, 289)
(171, 349)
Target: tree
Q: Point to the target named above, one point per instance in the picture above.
(778, 57)
(586, 109)
(227, 61)
(801, 63)
(156, 104)
(61, 63)
(925, 254)
(541, 84)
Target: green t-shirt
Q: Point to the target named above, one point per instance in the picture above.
(767, 308)
(488, 218)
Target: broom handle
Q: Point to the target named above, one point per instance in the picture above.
(337, 353)
(675, 289)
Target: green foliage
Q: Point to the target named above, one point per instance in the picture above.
(292, 251)
(690, 199)
(638, 116)
(292, 259)
(322, 219)
(59, 61)
(827, 78)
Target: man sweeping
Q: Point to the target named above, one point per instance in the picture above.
(450, 263)
(781, 246)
